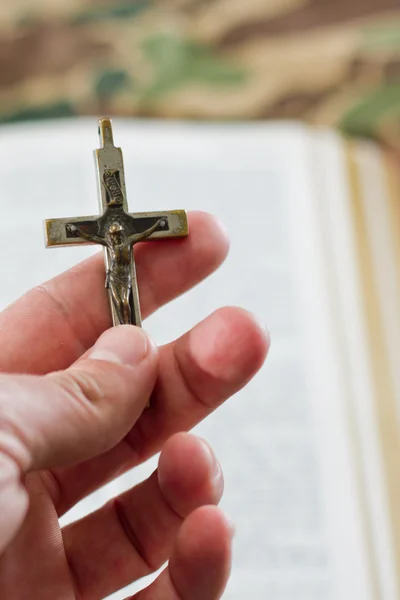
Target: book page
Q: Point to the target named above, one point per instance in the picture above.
(374, 208)
(284, 442)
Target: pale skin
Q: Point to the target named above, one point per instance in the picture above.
(72, 418)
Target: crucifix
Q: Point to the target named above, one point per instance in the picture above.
(116, 230)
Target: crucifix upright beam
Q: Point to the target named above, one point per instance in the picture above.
(116, 230)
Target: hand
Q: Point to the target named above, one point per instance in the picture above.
(72, 419)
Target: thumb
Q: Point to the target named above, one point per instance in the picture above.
(73, 415)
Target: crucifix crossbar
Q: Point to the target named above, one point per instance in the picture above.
(116, 230)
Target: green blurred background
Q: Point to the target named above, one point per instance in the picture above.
(332, 62)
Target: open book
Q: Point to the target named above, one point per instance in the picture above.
(311, 448)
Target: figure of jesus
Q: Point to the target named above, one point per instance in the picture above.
(119, 274)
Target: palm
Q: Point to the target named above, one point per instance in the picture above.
(38, 551)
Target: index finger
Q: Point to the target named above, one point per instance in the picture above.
(54, 324)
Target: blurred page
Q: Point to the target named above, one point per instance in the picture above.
(284, 442)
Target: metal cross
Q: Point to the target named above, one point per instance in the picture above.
(116, 230)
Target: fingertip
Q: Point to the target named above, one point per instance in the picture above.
(257, 330)
(206, 528)
(201, 561)
(189, 474)
(212, 234)
(126, 345)
(229, 346)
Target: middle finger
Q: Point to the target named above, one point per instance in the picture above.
(197, 373)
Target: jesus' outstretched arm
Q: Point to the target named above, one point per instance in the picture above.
(138, 237)
(91, 237)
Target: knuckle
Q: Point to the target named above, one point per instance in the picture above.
(13, 442)
(149, 562)
(80, 394)
(82, 388)
(187, 385)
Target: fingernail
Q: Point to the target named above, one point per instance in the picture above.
(262, 326)
(264, 329)
(215, 466)
(231, 525)
(124, 345)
